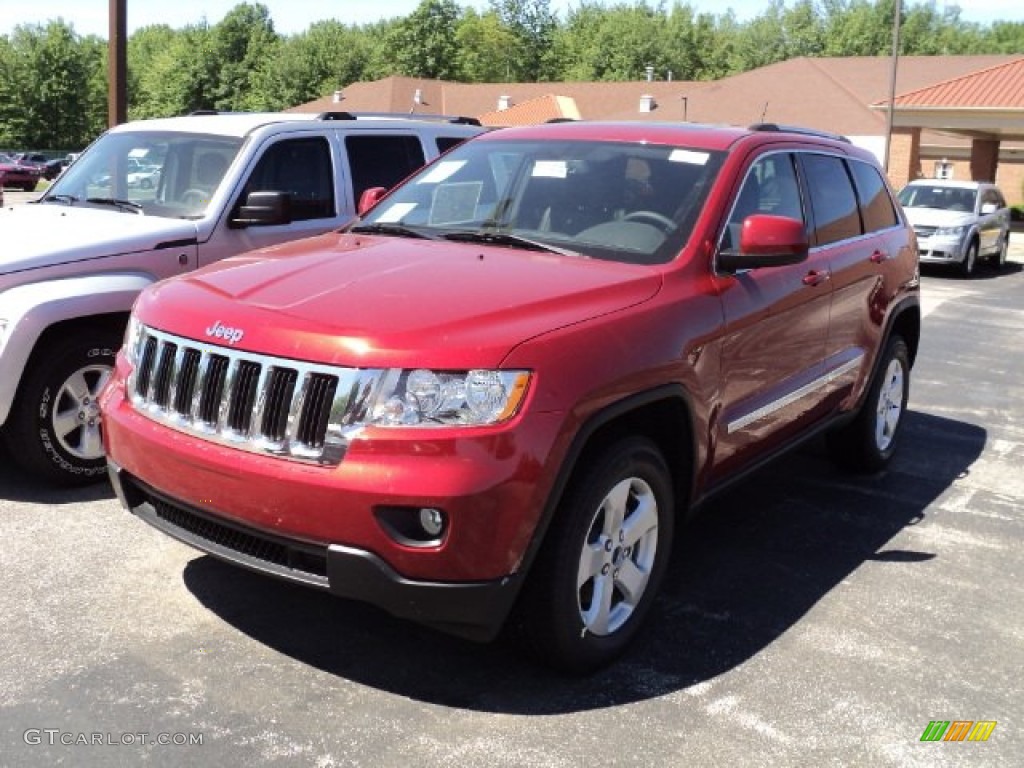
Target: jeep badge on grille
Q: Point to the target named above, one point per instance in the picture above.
(231, 335)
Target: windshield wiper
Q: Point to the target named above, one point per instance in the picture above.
(505, 238)
(399, 230)
(66, 199)
(130, 205)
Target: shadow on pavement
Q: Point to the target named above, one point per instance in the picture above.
(17, 486)
(744, 571)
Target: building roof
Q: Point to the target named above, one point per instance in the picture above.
(540, 110)
(997, 87)
(831, 94)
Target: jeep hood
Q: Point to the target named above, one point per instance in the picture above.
(385, 301)
(45, 234)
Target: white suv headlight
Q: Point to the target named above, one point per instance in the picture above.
(424, 398)
(950, 231)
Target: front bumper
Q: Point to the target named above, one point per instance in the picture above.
(940, 249)
(474, 610)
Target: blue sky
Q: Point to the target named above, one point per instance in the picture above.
(291, 16)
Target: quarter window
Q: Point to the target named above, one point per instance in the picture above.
(876, 205)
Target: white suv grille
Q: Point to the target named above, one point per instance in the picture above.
(252, 402)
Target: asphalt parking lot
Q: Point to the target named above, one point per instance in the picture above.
(811, 618)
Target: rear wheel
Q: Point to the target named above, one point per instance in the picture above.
(603, 561)
(54, 428)
(868, 442)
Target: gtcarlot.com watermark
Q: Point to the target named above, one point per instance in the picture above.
(57, 737)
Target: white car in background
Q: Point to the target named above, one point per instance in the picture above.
(958, 222)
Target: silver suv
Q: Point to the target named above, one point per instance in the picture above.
(154, 199)
(958, 222)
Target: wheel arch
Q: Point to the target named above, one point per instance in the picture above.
(664, 415)
(37, 311)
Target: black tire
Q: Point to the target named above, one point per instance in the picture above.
(970, 262)
(1004, 246)
(868, 442)
(28, 186)
(558, 615)
(53, 428)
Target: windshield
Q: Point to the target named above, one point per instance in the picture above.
(934, 196)
(626, 202)
(157, 174)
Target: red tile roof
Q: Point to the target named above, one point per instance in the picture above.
(540, 110)
(997, 87)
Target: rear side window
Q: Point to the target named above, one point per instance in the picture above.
(444, 143)
(876, 205)
(381, 161)
(832, 199)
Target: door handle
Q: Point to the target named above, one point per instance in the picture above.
(815, 277)
(878, 257)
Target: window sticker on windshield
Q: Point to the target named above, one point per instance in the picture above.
(688, 156)
(455, 203)
(441, 171)
(551, 169)
(396, 212)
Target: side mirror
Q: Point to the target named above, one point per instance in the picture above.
(370, 198)
(987, 208)
(264, 209)
(767, 241)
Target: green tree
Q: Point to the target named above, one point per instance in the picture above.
(48, 72)
(424, 44)
(489, 52)
(534, 25)
(243, 45)
(320, 60)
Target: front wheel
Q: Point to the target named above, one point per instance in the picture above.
(967, 266)
(1004, 246)
(599, 570)
(54, 428)
(868, 442)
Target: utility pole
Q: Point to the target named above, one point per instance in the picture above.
(892, 82)
(117, 64)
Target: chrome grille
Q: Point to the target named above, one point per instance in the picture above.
(257, 403)
(922, 231)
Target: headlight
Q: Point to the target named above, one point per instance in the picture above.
(423, 398)
(132, 339)
(950, 231)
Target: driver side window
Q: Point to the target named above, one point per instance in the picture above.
(770, 187)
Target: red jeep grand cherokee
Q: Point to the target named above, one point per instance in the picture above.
(498, 393)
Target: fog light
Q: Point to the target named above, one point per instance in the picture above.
(413, 526)
(432, 521)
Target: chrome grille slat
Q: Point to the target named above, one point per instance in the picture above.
(263, 404)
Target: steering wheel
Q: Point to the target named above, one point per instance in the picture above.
(195, 198)
(652, 217)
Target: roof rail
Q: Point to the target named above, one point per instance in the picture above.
(776, 127)
(454, 119)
